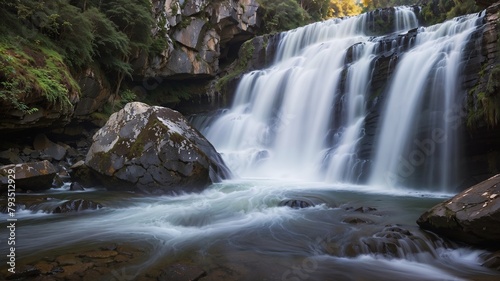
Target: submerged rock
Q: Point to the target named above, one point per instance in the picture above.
(472, 216)
(178, 272)
(356, 220)
(491, 260)
(155, 150)
(75, 186)
(77, 205)
(297, 203)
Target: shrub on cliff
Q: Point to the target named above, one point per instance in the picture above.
(85, 33)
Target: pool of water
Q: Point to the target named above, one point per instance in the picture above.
(242, 228)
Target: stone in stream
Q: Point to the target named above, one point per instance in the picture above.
(77, 206)
(24, 273)
(392, 241)
(28, 176)
(75, 186)
(472, 216)
(181, 272)
(153, 149)
(356, 220)
(491, 260)
(296, 203)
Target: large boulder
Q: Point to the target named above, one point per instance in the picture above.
(472, 216)
(27, 176)
(155, 150)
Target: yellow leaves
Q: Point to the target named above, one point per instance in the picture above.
(342, 8)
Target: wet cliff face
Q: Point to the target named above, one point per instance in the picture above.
(482, 114)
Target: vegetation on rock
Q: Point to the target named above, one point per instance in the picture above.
(45, 43)
(290, 14)
(31, 73)
(436, 11)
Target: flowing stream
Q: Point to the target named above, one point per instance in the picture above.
(295, 134)
(241, 228)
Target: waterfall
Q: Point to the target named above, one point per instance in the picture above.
(425, 90)
(305, 116)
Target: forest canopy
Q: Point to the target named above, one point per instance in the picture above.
(289, 14)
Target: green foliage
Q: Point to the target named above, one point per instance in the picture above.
(316, 9)
(40, 72)
(436, 11)
(159, 42)
(282, 15)
(83, 33)
(463, 7)
(52, 89)
(289, 14)
(12, 89)
(109, 43)
(375, 4)
(134, 18)
(484, 106)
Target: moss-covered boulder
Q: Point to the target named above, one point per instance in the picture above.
(155, 150)
(472, 216)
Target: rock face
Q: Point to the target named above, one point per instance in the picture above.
(197, 34)
(472, 216)
(153, 149)
(482, 75)
(51, 149)
(28, 176)
(95, 92)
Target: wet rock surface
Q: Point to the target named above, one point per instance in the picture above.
(182, 272)
(105, 263)
(46, 204)
(297, 203)
(472, 216)
(155, 150)
(77, 205)
(491, 260)
(28, 176)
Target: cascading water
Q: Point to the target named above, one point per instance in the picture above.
(425, 91)
(304, 117)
